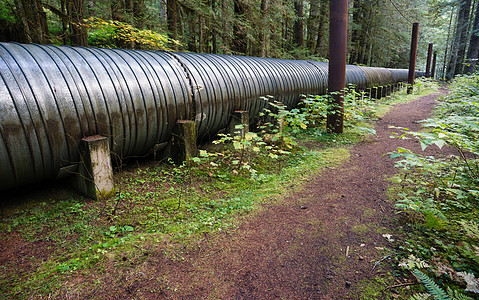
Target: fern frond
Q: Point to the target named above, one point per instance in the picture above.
(456, 295)
(420, 296)
(471, 228)
(413, 262)
(432, 288)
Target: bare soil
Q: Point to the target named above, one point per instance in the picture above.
(325, 242)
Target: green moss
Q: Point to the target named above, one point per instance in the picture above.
(362, 228)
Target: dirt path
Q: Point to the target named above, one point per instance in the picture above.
(297, 249)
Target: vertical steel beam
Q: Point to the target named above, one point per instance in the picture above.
(412, 57)
(428, 61)
(433, 68)
(338, 31)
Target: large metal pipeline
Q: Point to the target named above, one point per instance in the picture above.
(53, 96)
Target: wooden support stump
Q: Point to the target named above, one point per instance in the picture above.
(95, 173)
(387, 90)
(239, 124)
(183, 143)
(379, 92)
(374, 92)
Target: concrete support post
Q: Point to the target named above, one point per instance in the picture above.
(239, 124)
(183, 143)
(95, 177)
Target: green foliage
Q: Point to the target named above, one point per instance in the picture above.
(440, 194)
(167, 208)
(108, 33)
(432, 288)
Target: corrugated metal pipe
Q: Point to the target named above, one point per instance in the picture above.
(53, 96)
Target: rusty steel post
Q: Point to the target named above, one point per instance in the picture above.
(433, 68)
(412, 57)
(338, 31)
(428, 61)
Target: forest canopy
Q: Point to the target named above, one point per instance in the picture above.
(379, 31)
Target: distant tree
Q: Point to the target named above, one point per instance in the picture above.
(33, 20)
(172, 15)
(239, 43)
(473, 51)
(298, 23)
(76, 9)
(458, 47)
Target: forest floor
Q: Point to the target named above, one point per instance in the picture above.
(330, 240)
(325, 242)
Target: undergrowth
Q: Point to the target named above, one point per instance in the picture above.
(439, 197)
(160, 207)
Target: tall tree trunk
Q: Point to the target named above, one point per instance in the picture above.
(322, 28)
(191, 37)
(201, 39)
(263, 35)
(312, 24)
(172, 19)
(33, 20)
(214, 41)
(225, 26)
(239, 44)
(457, 55)
(473, 51)
(463, 26)
(63, 9)
(298, 23)
(357, 32)
(78, 35)
(443, 75)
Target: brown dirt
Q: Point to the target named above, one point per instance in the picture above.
(295, 249)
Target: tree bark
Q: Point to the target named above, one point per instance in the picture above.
(459, 48)
(33, 19)
(322, 28)
(225, 26)
(201, 40)
(473, 51)
(63, 8)
(172, 20)
(463, 26)
(263, 36)
(357, 31)
(298, 23)
(78, 35)
(214, 41)
(239, 44)
(312, 24)
(443, 75)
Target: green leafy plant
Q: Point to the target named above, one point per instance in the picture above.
(440, 196)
